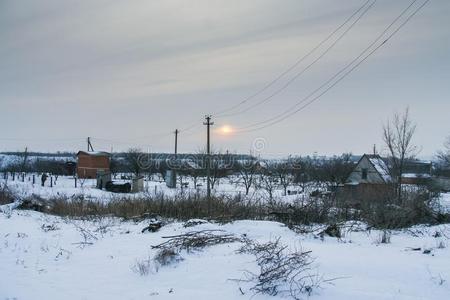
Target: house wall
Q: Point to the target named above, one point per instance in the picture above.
(372, 175)
(355, 195)
(88, 165)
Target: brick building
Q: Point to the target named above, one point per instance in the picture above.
(88, 163)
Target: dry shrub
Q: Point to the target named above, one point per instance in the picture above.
(196, 240)
(142, 267)
(165, 257)
(281, 272)
(385, 237)
(223, 208)
(6, 196)
(417, 207)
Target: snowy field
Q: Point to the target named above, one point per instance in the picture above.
(65, 186)
(48, 257)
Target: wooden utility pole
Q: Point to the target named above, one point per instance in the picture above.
(176, 142)
(176, 162)
(89, 145)
(208, 124)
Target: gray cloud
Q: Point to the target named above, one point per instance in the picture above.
(124, 70)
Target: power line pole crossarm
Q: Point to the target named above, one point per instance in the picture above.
(208, 124)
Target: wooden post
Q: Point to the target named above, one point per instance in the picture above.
(51, 181)
(34, 179)
(75, 182)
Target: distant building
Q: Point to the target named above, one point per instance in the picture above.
(89, 163)
(370, 169)
(417, 172)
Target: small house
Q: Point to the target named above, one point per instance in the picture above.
(371, 169)
(90, 163)
(369, 181)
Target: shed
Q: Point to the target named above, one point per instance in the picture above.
(89, 163)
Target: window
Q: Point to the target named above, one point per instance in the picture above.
(364, 173)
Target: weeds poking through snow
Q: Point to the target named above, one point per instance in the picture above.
(441, 245)
(49, 227)
(385, 237)
(142, 267)
(165, 257)
(281, 271)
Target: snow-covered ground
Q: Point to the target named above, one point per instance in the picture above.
(445, 201)
(43, 257)
(65, 185)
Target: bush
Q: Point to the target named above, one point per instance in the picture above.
(165, 257)
(196, 240)
(281, 272)
(416, 208)
(6, 196)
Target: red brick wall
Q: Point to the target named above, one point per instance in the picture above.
(88, 165)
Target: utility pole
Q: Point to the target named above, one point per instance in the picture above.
(208, 124)
(176, 156)
(89, 145)
(176, 142)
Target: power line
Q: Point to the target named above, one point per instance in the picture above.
(293, 110)
(297, 75)
(219, 113)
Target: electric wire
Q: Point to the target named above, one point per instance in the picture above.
(292, 110)
(271, 83)
(306, 68)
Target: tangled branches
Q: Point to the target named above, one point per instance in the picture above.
(196, 240)
(281, 271)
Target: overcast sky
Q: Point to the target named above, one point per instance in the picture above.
(127, 73)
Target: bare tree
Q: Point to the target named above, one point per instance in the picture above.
(267, 180)
(284, 172)
(133, 161)
(247, 172)
(397, 135)
(444, 155)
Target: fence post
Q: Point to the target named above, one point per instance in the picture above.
(51, 181)
(75, 182)
(34, 179)
(14, 175)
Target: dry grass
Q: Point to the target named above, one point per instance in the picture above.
(222, 208)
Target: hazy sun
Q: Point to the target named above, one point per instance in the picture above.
(226, 130)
